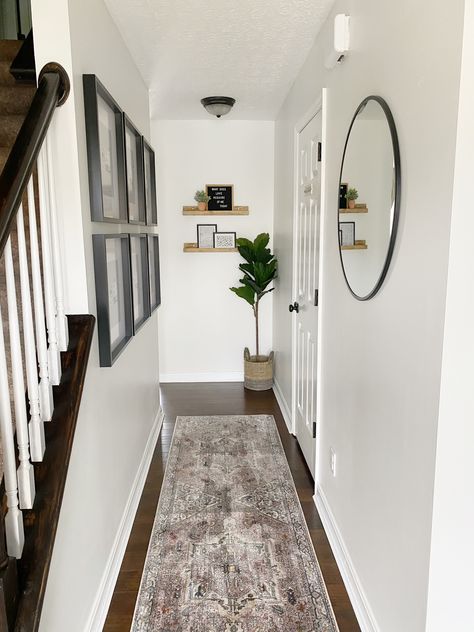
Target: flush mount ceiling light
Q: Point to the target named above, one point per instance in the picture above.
(218, 106)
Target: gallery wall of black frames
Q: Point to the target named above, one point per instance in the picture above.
(122, 189)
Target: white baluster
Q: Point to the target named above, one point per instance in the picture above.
(62, 329)
(25, 472)
(54, 358)
(14, 519)
(45, 388)
(36, 428)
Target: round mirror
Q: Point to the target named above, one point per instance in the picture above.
(369, 197)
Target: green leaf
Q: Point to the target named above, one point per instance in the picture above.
(246, 293)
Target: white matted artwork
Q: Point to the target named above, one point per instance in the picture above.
(347, 233)
(105, 153)
(135, 175)
(224, 240)
(140, 286)
(154, 271)
(113, 249)
(108, 159)
(205, 235)
(113, 294)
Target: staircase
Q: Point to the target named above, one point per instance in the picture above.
(43, 353)
(15, 101)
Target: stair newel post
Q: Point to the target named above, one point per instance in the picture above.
(45, 387)
(25, 472)
(36, 427)
(54, 358)
(14, 518)
(62, 329)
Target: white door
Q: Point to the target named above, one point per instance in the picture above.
(305, 286)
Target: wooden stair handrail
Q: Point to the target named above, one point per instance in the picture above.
(53, 90)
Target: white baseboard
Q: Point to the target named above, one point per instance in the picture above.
(166, 378)
(285, 409)
(359, 601)
(106, 589)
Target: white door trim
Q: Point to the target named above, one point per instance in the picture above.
(318, 106)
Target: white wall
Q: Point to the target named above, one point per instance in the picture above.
(379, 403)
(203, 326)
(452, 545)
(119, 404)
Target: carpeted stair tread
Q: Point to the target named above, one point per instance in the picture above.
(9, 49)
(6, 78)
(16, 99)
(9, 127)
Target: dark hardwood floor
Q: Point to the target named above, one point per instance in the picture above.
(219, 399)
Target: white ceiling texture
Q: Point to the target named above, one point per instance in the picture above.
(251, 50)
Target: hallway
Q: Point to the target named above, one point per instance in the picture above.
(218, 399)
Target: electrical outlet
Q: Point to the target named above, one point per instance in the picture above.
(332, 461)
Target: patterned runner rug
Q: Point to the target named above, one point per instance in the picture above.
(230, 550)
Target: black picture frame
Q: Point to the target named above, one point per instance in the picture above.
(105, 153)
(140, 280)
(347, 232)
(199, 241)
(113, 286)
(217, 234)
(221, 197)
(154, 271)
(150, 184)
(135, 176)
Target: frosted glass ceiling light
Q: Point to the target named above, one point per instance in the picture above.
(218, 106)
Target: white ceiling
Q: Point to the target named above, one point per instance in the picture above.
(251, 50)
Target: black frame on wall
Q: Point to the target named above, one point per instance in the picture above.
(154, 264)
(93, 90)
(150, 186)
(109, 352)
(140, 193)
(145, 285)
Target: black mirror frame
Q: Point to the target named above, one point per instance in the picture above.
(398, 183)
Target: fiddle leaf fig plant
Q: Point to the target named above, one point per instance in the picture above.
(260, 270)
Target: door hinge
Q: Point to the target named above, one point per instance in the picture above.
(314, 430)
(316, 298)
(320, 151)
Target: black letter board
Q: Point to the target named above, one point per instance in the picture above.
(221, 197)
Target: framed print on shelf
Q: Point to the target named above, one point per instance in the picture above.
(134, 170)
(347, 233)
(150, 184)
(224, 240)
(113, 294)
(154, 271)
(105, 153)
(205, 235)
(140, 280)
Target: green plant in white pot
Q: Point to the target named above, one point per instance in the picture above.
(260, 270)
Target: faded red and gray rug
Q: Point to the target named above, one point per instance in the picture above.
(230, 550)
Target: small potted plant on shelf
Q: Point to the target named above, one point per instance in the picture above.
(260, 270)
(202, 199)
(351, 197)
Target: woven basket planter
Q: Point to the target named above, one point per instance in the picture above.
(258, 371)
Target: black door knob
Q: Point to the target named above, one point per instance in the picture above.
(294, 308)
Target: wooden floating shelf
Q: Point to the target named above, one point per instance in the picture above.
(360, 209)
(359, 244)
(194, 248)
(237, 210)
